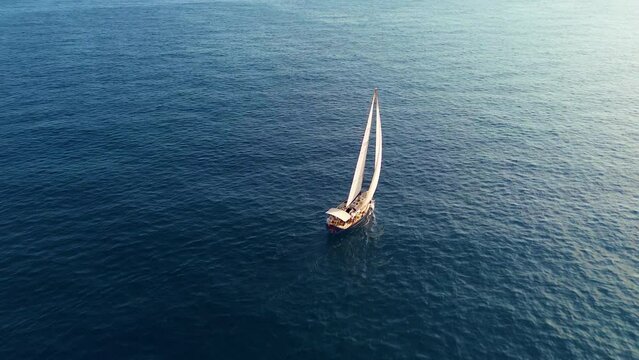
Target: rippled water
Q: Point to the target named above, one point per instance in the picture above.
(165, 166)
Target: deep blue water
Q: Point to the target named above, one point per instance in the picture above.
(165, 166)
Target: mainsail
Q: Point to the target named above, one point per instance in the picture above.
(356, 186)
(378, 154)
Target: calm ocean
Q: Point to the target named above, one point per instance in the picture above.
(165, 166)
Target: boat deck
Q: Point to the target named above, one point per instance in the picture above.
(356, 210)
(356, 205)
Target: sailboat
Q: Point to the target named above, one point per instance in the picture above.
(360, 203)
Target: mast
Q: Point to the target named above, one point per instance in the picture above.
(378, 153)
(356, 185)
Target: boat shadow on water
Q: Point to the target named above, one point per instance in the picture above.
(367, 230)
(355, 250)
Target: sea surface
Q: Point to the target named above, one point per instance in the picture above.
(165, 167)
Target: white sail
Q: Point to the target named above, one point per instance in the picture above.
(378, 155)
(356, 185)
